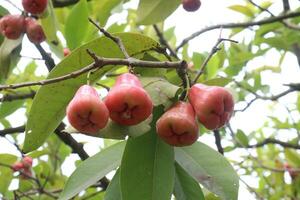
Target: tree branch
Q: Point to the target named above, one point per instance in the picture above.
(273, 141)
(7, 131)
(238, 25)
(164, 42)
(214, 50)
(218, 141)
(117, 40)
(12, 97)
(48, 59)
(100, 62)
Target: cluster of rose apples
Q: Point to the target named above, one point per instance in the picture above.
(13, 26)
(127, 103)
(23, 166)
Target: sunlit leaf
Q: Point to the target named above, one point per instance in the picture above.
(210, 168)
(147, 168)
(92, 170)
(186, 188)
(153, 11)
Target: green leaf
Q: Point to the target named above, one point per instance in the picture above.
(245, 10)
(49, 104)
(153, 11)
(9, 107)
(6, 174)
(266, 4)
(103, 9)
(116, 131)
(161, 91)
(218, 81)
(113, 191)
(78, 17)
(92, 170)
(292, 157)
(210, 168)
(186, 188)
(50, 28)
(242, 138)
(298, 102)
(8, 58)
(147, 168)
(213, 66)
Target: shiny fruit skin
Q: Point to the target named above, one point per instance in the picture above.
(27, 162)
(34, 31)
(35, 6)
(213, 105)
(191, 5)
(128, 103)
(86, 112)
(66, 52)
(178, 126)
(17, 166)
(12, 26)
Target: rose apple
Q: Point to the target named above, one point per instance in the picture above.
(12, 26)
(34, 31)
(128, 103)
(86, 112)
(213, 105)
(191, 5)
(35, 6)
(178, 126)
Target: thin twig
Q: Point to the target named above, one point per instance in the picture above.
(98, 64)
(48, 59)
(262, 143)
(273, 141)
(284, 22)
(104, 86)
(19, 129)
(293, 87)
(164, 42)
(117, 40)
(13, 97)
(238, 25)
(214, 50)
(218, 141)
(77, 148)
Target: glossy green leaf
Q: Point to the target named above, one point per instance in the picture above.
(298, 102)
(218, 81)
(147, 168)
(242, 138)
(50, 28)
(116, 131)
(3, 11)
(78, 17)
(245, 10)
(153, 11)
(9, 107)
(92, 170)
(210, 168)
(103, 9)
(186, 188)
(161, 91)
(293, 157)
(48, 108)
(8, 51)
(6, 174)
(113, 191)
